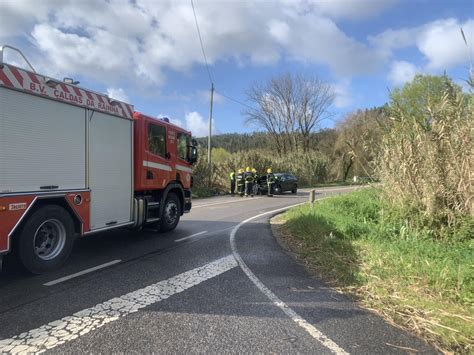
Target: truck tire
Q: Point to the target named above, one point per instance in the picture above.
(171, 213)
(46, 239)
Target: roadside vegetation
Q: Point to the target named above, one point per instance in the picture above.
(406, 250)
(290, 109)
(372, 251)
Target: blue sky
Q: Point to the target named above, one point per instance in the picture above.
(147, 52)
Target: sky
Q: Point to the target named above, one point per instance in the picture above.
(147, 52)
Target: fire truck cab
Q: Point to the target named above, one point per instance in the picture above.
(74, 162)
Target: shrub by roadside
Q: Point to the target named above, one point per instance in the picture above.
(203, 192)
(393, 266)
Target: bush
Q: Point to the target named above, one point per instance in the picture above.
(426, 159)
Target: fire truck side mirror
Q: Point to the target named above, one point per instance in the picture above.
(193, 155)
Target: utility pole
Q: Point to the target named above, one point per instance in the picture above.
(209, 137)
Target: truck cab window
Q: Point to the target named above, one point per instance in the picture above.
(157, 139)
(183, 142)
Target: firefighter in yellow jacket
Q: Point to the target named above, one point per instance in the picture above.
(249, 181)
(270, 182)
(232, 181)
(240, 182)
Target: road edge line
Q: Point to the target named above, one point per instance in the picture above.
(308, 327)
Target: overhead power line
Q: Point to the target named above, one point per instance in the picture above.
(202, 45)
(235, 100)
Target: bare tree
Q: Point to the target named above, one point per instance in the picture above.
(289, 107)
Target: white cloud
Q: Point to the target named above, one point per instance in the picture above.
(439, 41)
(360, 9)
(117, 94)
(442, 44)
(402, 72)
(279, 30)
(194, 122)
(198, 125)
(318, 40)
(205, 96)
(137, 41)
(343, 97)
(17, 16)
(177, 122)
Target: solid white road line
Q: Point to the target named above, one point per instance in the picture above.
(68, 328)
(80, 273)
(311, 329)
(191, 236)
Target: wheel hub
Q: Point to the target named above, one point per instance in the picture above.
(171, 212)
(49, 239)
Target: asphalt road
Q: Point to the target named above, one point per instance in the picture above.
(218, 283)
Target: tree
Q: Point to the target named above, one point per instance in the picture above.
(358, 138)
(415, 99)
(289, 107)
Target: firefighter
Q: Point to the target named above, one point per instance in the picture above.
(240, 182)
(255, 186)
(270, 182)
(232, 181)
(249, 180)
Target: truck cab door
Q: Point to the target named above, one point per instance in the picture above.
(157, 163)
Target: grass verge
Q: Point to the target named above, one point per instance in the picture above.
(419, 283)
(202, 192)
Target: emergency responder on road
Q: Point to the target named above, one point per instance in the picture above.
(249, 180)
(232, 181)
(270, 182)
(240, 182)
(255, 186)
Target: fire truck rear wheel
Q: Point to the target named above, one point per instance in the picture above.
(46, 239)
(171, 213)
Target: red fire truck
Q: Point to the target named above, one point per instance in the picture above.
(74, 162)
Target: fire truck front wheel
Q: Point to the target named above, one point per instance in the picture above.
(46, 239)
(171, 213)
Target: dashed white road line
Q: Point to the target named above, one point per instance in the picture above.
(191, 236)
(226, 202)
(68, 328)
(83, 272)
(311, 329)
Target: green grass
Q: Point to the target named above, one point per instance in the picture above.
(202, 192)
(393, 262)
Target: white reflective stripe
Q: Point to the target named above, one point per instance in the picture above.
(150, 164)
(184, 168)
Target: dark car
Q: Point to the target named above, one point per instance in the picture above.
(283, 182)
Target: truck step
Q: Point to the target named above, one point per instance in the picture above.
(152, 220)
(153, 204)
